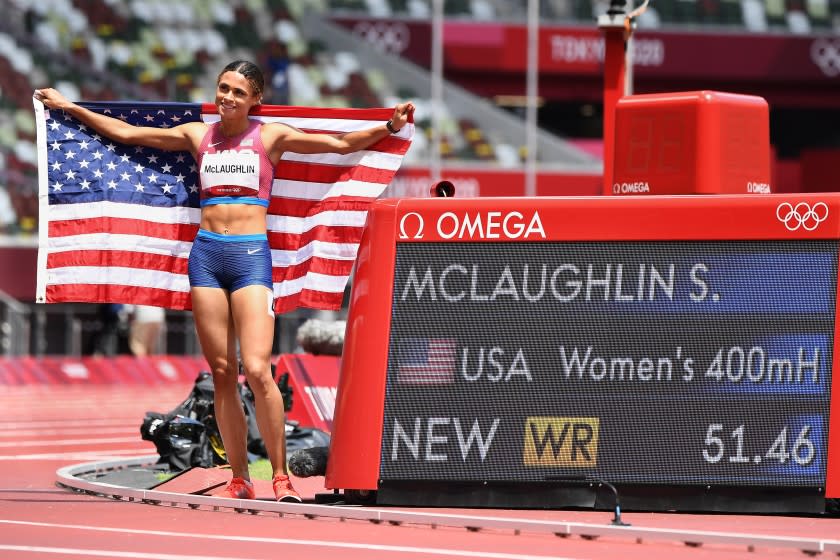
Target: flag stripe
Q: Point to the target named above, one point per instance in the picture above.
(309, 298)
(315, 249)
(117, 222)
(327, 238)
(303, 171)
(322, 282)
(332, 218)
(120, 276)
(127, 259)
(369, 158)
(98, 241)
(80, 210)
(301, 208)
(310, 190)
(319, 265)
(124, 226)
(393, 144)
(92, 293)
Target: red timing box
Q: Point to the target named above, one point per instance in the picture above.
(694, 142)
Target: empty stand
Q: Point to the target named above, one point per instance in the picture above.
(163, 49)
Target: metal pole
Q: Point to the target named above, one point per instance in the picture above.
(617, 26)
(616, 30)
(628, 62)
(14, 326)
(531, 98)
(40, 334)
(437, 89)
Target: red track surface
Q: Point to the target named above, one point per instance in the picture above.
(44, 428)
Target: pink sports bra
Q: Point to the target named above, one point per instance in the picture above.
(236, 169)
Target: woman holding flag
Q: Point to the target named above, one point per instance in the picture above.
(230, 264)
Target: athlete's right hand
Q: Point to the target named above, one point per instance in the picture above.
(51, 98)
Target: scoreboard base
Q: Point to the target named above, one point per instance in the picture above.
(592, 494)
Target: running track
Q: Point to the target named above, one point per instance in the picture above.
(45, 427)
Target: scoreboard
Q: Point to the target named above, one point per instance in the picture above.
(519, 352)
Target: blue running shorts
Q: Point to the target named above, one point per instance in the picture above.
(229, 262)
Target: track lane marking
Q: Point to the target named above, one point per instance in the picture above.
(295, 542)
(69, 431)
(66, 442)
(88, 552)
(81, 455)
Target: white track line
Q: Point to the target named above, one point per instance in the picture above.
(66, 442)
(58, 432)
(88, 552)
(104, 454)
(294, 542)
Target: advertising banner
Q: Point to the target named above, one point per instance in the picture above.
(472, 181)
(490, 59)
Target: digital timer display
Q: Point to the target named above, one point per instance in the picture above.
(701, 142)
(660, 362)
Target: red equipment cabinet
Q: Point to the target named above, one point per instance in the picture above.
(695, 142)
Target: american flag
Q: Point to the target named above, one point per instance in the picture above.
(426, 361)
(117, 221)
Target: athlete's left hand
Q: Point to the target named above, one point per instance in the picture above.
(402, 111)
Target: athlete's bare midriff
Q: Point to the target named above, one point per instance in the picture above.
(234, 219)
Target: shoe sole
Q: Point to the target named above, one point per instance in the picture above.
(290, 500)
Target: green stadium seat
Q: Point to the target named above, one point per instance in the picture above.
(819, 12)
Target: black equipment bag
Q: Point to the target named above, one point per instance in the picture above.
(188, 436)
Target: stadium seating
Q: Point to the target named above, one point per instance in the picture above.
(164, 49)
(172, 50)
(782, 15)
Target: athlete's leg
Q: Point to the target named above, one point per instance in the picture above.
(254, 319)
(214, 324)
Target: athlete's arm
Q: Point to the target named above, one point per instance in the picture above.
(283, 138)
(185, 137)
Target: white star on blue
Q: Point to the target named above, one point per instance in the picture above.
(86, 167)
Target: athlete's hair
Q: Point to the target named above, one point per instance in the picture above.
(248, 69)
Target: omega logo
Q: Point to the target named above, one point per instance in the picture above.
(418, 221)
(481, 225)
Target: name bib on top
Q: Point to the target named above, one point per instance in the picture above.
(230, 173)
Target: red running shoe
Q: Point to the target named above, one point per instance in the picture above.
(283, 490)
(239, 488)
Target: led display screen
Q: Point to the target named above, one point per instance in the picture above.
(636, 362)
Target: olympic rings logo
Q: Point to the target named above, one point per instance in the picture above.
(803, 215)
(826, 54)
(387, 37)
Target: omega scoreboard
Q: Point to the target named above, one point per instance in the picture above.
(534, 352)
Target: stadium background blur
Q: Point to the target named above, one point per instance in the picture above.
(364, 53)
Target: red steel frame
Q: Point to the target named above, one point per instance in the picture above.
(615, 84)
(360, 399)
(356, 438)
